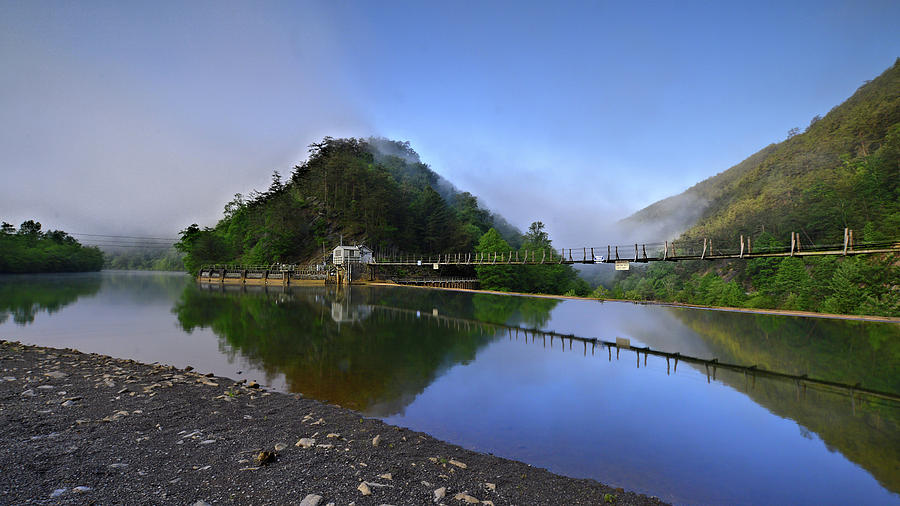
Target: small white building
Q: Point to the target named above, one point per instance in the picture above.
(352, 255)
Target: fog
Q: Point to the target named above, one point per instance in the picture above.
(140, 119)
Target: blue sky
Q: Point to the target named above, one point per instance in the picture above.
(142, 118)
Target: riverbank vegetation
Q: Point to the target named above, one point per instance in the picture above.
(29, 250)
(144, 260)
(842, 172)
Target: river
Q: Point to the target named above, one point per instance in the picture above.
(469, 368)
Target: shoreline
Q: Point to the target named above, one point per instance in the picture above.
(777, 312)
(82, 428)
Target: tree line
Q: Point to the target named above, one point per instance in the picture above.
(30, 250)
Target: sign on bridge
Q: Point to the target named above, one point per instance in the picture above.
(622, 265)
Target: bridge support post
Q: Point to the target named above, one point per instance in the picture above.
(742, 246)
(703, 255)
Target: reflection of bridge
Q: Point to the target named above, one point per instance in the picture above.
(343, 310)
(652, 252)
(710, 365)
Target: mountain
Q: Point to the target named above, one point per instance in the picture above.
(843, 171)
(373, 191)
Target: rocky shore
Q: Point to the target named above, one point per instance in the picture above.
(80, 428)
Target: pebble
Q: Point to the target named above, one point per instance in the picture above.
(386, 476)
(462, 496)
(81, 489)
(490, 486)
(326, 447)
(280, 446)
(56, 374)
(118, 465)
(376, 440)
(28, 393)
(311, 500)
(364, 489)
(207, 441)
(66, 404)
(458, 464)
(440, 493)
(46, 387)
(305, 442)
(58, 492)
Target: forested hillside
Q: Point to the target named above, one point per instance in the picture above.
(28, 249)
(374, 191)
(843, 171)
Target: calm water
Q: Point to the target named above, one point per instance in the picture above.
(428, 360)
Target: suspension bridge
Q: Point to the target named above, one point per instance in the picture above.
(666, 251)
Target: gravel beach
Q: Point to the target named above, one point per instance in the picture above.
(82, 428)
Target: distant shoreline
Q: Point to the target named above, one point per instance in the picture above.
(777, 312)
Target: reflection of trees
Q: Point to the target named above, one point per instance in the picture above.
(374, 361)
(864, 430)
(24, 296)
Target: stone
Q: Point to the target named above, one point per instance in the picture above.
(67, 404)
(440, 493)
(488, 503)
(58, 492)
(280, 446)
(56, 374)
(491, 486)
(376, 440)
(118, 465)
(266, 457)
(200, 503)
(253, 384)
(326, 447)
(81, 489)
(305, 442)
(364, 489)
(207, 441)
(333, 435)
(458, 464)
(28, 393)
(386, 476)
(122, 391)
(462, 496)
(311, 500)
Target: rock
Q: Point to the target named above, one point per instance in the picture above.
(253, 384)
(266, 457)
(311, 500)
(28, 393)
(280, 446)
(333, 435)
(326, 447)
(440, 493)
(462, 496)
(122, 391)
(200, 503)
(56, 374)
(488, 503)
(458, 464)
(386, 476)
(189, 369)
(81, 489)
(305, 442)
(364, 489)
(66, 404)
(58, 492)
(207, 441)
(490, 486)
(376, 440)
(320, 421)
(118, 465)
(46, 387)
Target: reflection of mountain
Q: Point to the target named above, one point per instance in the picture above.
(865, 430)
(24, 296)
(368, 359)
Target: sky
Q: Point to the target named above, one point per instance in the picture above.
(140, 118)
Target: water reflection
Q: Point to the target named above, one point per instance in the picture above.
(864, 429)
(343, 345)
(25, 296)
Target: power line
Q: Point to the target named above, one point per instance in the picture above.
(125, 236)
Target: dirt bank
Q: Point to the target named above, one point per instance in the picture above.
(86, 428)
